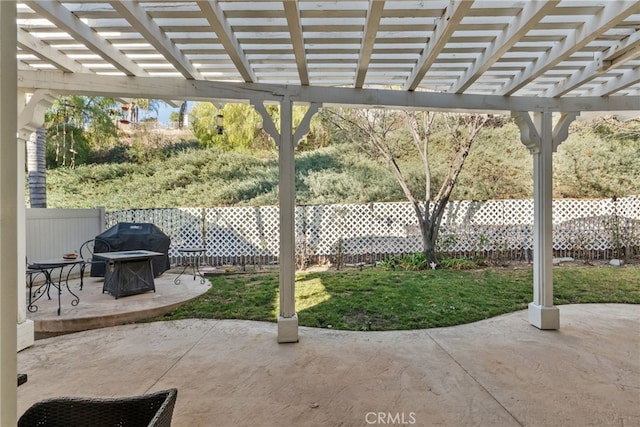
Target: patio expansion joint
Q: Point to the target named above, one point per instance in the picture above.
(475, 379)
(184, 354)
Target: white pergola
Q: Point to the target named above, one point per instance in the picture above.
(544, 62)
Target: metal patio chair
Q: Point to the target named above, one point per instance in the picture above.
(86, 253)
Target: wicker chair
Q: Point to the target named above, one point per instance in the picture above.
(137, 411)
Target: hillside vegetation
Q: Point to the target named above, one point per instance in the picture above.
(597, 160)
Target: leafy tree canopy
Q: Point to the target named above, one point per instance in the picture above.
(242, 126)
(77, 125)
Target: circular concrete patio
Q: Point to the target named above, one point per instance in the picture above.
(98, 310)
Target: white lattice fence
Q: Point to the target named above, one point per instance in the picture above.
(595, 225)
(486, 226)
(246, 232)
(366, 232)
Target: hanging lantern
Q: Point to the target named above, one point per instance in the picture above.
(219, 124)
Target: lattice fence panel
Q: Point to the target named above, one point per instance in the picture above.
(242, 231)
(347, 229)
(185, 229)
(396, 228)
(486, 226)
(302, 240)
(596, 225)
(629, 209)
(515, 212)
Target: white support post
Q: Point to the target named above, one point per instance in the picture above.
(286, 141)
(542, 313)
(30, 118)
(542, 139)
(8, 214)
(26, 332)
(288, 319)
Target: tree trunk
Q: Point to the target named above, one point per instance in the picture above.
(429, 221)
(429, 244)
(36, 169)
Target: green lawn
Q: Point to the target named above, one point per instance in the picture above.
(377, 299)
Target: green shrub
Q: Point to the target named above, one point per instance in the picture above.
(414, 262)
(458, 264)
(389, 263)
(418, 261)
(408, 262)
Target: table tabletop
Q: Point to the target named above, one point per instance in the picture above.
(126, 255)
(55, 263)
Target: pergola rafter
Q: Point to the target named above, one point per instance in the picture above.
(616, 56)
(215, 16)
(79, 31)
(148, 28)
(368, 40)
(608, 17)
(535, 48)
(446, 26)
(46, 53)
(613, 85)
(530, 16)
(297, 40)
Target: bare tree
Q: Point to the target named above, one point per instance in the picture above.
(381, 129)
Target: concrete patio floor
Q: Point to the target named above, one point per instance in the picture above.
(496, 372)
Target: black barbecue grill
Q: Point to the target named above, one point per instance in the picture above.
(129, 236)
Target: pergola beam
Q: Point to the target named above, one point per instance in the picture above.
(195, 90)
